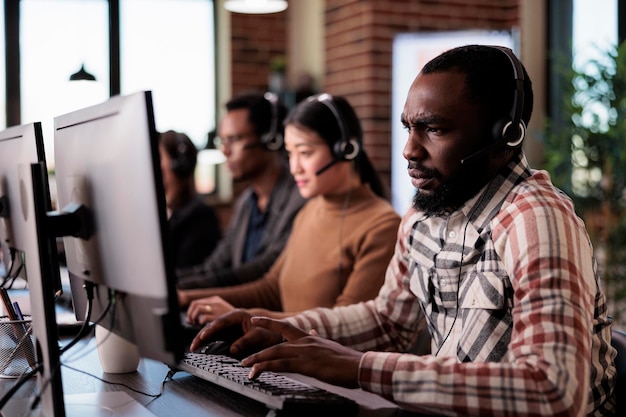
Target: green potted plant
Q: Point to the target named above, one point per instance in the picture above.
(587, 159)
(277, 79)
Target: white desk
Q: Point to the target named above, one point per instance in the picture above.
(184, 395)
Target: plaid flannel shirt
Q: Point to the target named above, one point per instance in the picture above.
(509, 290)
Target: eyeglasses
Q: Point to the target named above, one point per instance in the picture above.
(230, 141)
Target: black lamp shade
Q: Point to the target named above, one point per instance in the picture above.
(81, 74)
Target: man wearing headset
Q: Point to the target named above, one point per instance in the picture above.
(250, 136)
(193, 225)
(491, 259)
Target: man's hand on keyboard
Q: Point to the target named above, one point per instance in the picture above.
(235, 327)
(305, 353)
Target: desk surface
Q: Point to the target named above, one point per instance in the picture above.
(183, 395)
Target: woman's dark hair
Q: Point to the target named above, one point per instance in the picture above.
(316, 114)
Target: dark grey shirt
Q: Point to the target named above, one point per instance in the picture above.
(225, 266)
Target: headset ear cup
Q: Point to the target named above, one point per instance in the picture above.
(272, 141)
(280, 141)
(347, 150)
(499, 128)
(510, 131)
(504, 132)
(514, 141)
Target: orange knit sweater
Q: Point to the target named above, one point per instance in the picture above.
(336, 254)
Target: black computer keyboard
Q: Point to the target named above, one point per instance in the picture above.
(276, 391)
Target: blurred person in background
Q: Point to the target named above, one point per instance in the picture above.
(342, 239)
(193, 225)
(250, 135)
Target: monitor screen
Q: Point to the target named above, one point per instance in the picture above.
(107, 161)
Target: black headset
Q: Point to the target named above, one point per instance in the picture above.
(273, 139)
(512, 129)
(346, 148)
(181, 164)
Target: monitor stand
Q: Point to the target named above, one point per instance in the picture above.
(99, 404)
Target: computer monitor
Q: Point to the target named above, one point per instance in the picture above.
(18, 145)
(27, 255)
(43, 270)
(21, 148)
(107, 161)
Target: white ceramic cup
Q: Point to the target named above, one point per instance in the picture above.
(117, 355)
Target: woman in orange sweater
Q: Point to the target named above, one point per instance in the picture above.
(342, 239)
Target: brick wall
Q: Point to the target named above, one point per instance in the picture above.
(256, 41)
(359, 37)
(359, 40)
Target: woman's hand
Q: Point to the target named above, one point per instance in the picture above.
(205, 310)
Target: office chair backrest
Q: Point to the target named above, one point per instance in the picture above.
(618, 341)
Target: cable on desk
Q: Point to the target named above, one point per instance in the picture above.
(110, 308)
(167, 378)
(87, 327)
(9, 394)
(91, 327)
(89, 289)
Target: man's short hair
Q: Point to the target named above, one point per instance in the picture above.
(260, 112)
(489, 77)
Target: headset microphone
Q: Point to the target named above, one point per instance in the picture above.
(325, 167)
(476, 156)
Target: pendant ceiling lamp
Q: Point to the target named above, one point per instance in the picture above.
(255, 6)
(82, 74)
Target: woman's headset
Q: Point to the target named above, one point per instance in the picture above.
(346, 148)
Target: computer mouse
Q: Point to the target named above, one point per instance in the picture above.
(218, 347)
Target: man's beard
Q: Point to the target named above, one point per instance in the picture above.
(451, 195)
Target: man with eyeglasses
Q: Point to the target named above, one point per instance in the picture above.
(250, 136)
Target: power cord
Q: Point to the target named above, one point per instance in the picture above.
(18, 384)
(168, 377)
(89, 289)
(11, 276)
(111, 306)
(84, 330)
